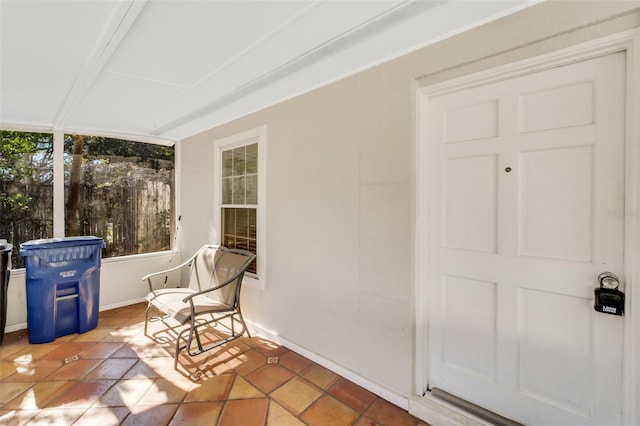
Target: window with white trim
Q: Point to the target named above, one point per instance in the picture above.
(240, 199)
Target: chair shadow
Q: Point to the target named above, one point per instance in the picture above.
(55, 402)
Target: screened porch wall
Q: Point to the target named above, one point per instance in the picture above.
(340, 204)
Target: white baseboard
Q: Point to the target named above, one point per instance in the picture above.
(15, 327)
(23, 325)
(392, 397)
(121, 304)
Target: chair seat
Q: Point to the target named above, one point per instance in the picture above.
(170, 301)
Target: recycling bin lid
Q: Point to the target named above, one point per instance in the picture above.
(49, 243)
(5, 246)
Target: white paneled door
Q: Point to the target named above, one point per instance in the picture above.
(526, 193)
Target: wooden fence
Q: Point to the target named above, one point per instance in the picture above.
(131, 217)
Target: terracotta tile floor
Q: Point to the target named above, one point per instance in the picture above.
(115, 375)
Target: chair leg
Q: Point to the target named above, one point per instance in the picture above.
(146, 319)
(177, 352)
(186, 347)
(195, 332)
(192, 330)
(244, 324)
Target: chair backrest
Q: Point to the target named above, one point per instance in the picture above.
(214, 266)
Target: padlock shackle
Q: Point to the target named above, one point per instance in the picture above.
(608, 280)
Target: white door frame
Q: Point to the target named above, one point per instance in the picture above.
(629, 42)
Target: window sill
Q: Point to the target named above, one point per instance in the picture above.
(118, 259)
(132, 257)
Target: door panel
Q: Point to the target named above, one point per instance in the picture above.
(471, 122)
(521, 176)
(470, 312)
(546, 346)
(470, 186)
(556, 223)
(565, 106)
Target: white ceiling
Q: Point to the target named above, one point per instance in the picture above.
(167, 69)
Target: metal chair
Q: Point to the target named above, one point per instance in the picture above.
(212, 294)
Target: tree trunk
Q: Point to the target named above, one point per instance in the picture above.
(71, 218)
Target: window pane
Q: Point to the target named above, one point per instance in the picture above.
(252, 224)
(26, 189)
(238, 190)
(227, 162)
(242, 223)
(239, 161)
(252, 158)
(240, 230)
(251, 246)
(227, 188)
(121, 191)
(251, 189)
(242, 243)
(243, 188)
(229, 222)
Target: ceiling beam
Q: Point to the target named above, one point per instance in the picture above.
(398, 11)
(123, 18)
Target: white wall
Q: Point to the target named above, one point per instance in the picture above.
(340, 191)
(338, 229)
(120, 284)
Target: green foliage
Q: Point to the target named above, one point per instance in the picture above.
(26, 174)
(25, 157)
(22, 154)
(97, 147)
(119, 187)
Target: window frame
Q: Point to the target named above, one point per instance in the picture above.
(257, 135)
(58, 181)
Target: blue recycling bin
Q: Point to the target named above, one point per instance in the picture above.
(63, 286)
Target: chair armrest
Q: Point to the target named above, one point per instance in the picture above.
(155, 283)
(227, 282)
(186, 263)
(209, 290)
